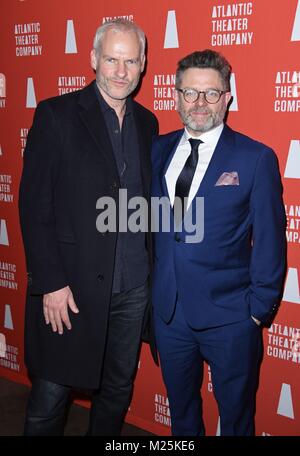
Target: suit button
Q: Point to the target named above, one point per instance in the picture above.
(100, 277)
(113, 185)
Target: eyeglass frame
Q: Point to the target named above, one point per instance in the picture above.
(220, 92)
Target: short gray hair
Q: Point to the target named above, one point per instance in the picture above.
(119, 25)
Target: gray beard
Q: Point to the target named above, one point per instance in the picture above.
(211, 123)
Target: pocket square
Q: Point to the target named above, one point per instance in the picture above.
(231, 178)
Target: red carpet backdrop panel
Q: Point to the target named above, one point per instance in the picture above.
(44, 52)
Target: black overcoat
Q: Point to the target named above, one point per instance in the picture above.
(68, 164)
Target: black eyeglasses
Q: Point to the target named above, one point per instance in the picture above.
(211, 96)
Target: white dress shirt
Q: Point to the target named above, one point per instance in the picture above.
(205, 151)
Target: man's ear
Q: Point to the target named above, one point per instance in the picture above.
(143, 60)
(176, 98)
(93, 59)
(228, 97)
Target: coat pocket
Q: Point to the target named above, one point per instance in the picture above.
(66, 239)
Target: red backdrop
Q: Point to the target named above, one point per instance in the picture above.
(44, 51)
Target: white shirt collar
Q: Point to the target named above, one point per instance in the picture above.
(210, 137)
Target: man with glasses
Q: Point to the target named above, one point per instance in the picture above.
(211, 298)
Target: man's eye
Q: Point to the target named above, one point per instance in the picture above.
(212, 93)
(190, 93)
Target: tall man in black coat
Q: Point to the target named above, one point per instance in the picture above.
(87, 290)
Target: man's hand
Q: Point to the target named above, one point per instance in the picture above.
(55, 307)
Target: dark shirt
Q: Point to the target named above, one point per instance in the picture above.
(131, 259)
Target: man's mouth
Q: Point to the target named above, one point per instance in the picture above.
(120, 83)
(200, 113)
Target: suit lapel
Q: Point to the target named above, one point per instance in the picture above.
(218, 162)
(94, 121)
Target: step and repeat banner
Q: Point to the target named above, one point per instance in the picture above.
(44, 51)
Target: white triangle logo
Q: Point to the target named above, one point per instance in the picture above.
(218, 433)
(8, 323)
(2, 86)
(296, 28)
(285, 405)
(71, 46)
(292, 168)
(296, 77)
(278, 78)
(30, 98)
(291, 289)
(2, 346)
(171, 35)
(3, 233)
(234, 104)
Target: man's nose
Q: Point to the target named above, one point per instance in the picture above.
(201, 100)
(121, 69)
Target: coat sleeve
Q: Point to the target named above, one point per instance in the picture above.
(42, 157)
(268, 258)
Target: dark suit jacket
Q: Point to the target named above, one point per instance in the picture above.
(69, 164)
(239, 266)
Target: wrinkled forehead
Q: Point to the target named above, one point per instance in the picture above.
(120, 41)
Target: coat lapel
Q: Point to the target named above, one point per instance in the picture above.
(218, 161)
(92, 117)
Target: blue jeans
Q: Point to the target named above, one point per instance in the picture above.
(47, 403)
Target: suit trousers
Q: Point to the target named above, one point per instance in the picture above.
(233, 353)
(47, 404)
